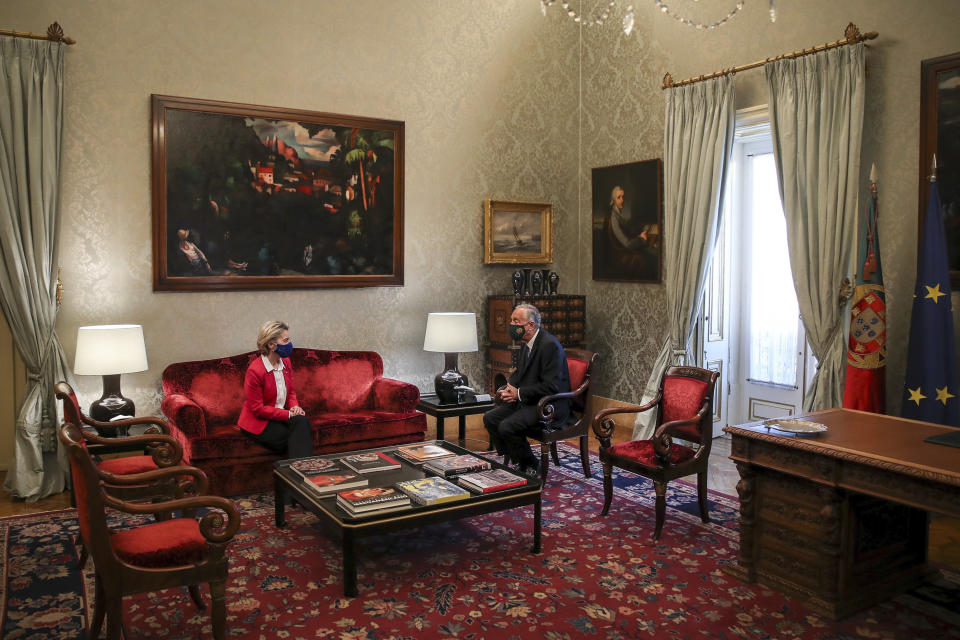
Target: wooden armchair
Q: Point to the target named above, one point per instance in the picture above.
(159, 451)
(685, 403)
(580, 365)
(168, 553)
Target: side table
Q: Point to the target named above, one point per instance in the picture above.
(431, 405)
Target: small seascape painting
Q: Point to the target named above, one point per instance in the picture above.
(517, 232)
(252, 197)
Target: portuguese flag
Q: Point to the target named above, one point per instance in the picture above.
(866, 348)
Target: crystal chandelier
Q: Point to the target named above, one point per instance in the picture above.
(602, 10)
(597, 18)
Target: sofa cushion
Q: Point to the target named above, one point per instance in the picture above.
(336, 381)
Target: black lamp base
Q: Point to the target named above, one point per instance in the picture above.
(110, 405)
(445, 382)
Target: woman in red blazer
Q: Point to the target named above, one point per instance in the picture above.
(271, 415)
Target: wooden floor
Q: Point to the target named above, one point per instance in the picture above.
(944, 541)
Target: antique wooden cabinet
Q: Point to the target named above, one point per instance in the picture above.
(562, 315)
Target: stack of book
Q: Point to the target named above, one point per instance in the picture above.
(370, 462)
(420, 453)
(433, 490)
(372, 500)
(456, 465)
(492, 480)
(324, 476)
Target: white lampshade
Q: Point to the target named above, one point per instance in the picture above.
(451, 332)
(110, 349)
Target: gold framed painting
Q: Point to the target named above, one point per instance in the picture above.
(517, 232)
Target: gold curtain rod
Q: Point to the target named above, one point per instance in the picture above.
(852, 35)
(54, 33)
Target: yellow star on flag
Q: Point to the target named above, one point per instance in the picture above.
(934, 293)
(915, 395)
(943, 395)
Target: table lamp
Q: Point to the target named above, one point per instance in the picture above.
(109, 351)
(450, 334)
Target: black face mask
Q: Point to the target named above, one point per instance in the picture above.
(517, 331)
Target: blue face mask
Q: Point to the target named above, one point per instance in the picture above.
(284, 350)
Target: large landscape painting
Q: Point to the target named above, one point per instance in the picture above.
(250, 197)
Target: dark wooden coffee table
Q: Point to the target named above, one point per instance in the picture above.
(351, 529)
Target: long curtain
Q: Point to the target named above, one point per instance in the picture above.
(31, 125)
(698, 140)
(816, 117)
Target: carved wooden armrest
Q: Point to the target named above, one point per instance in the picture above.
(545, 408)
(157, 425)
(165, 450)
(200, 482)
(214, 527)
(603, 425)
(663, 436)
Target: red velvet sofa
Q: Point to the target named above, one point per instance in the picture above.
(349, 402)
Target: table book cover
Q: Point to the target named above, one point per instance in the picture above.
(492, 480)
(371, 499)
(424, 452)
(370, 462)
(433, 490)
(325, 483)
(305, 467)
(455, 465)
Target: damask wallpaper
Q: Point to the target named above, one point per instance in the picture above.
(490, 105)
(623, 108)
(499, 102)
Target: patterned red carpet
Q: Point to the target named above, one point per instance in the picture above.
(597, 577)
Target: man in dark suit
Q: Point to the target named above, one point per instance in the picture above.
(542, 371)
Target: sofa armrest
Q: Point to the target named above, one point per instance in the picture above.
(394, 395)
(184, 415)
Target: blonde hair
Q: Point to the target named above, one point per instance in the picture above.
(270, 332)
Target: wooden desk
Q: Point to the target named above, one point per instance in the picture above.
(840, 519)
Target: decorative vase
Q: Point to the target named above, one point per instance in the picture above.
(517, 281)
(526, 281)
(554, 281)
(537, 282)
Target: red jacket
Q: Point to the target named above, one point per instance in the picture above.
(260, 391)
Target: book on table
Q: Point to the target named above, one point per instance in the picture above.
(370, 462)
(432, 490)
(371, 499)
(423, 452)
(491, 480)
(334, 481)
(306, 467)
(455, 465)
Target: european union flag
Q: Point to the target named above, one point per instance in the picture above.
(930, 391)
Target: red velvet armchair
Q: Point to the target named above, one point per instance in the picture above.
(685, 403)
(581, 365)
(348, 401)
(168, 553)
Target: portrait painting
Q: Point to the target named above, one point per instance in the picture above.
(517, 232)
(627, 221)
(940, 135)
(254, 197)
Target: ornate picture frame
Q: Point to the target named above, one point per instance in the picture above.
(940, 134)
(255, 197)
(627, 204)
(517, 232)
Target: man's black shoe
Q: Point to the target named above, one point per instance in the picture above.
(531, 470)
